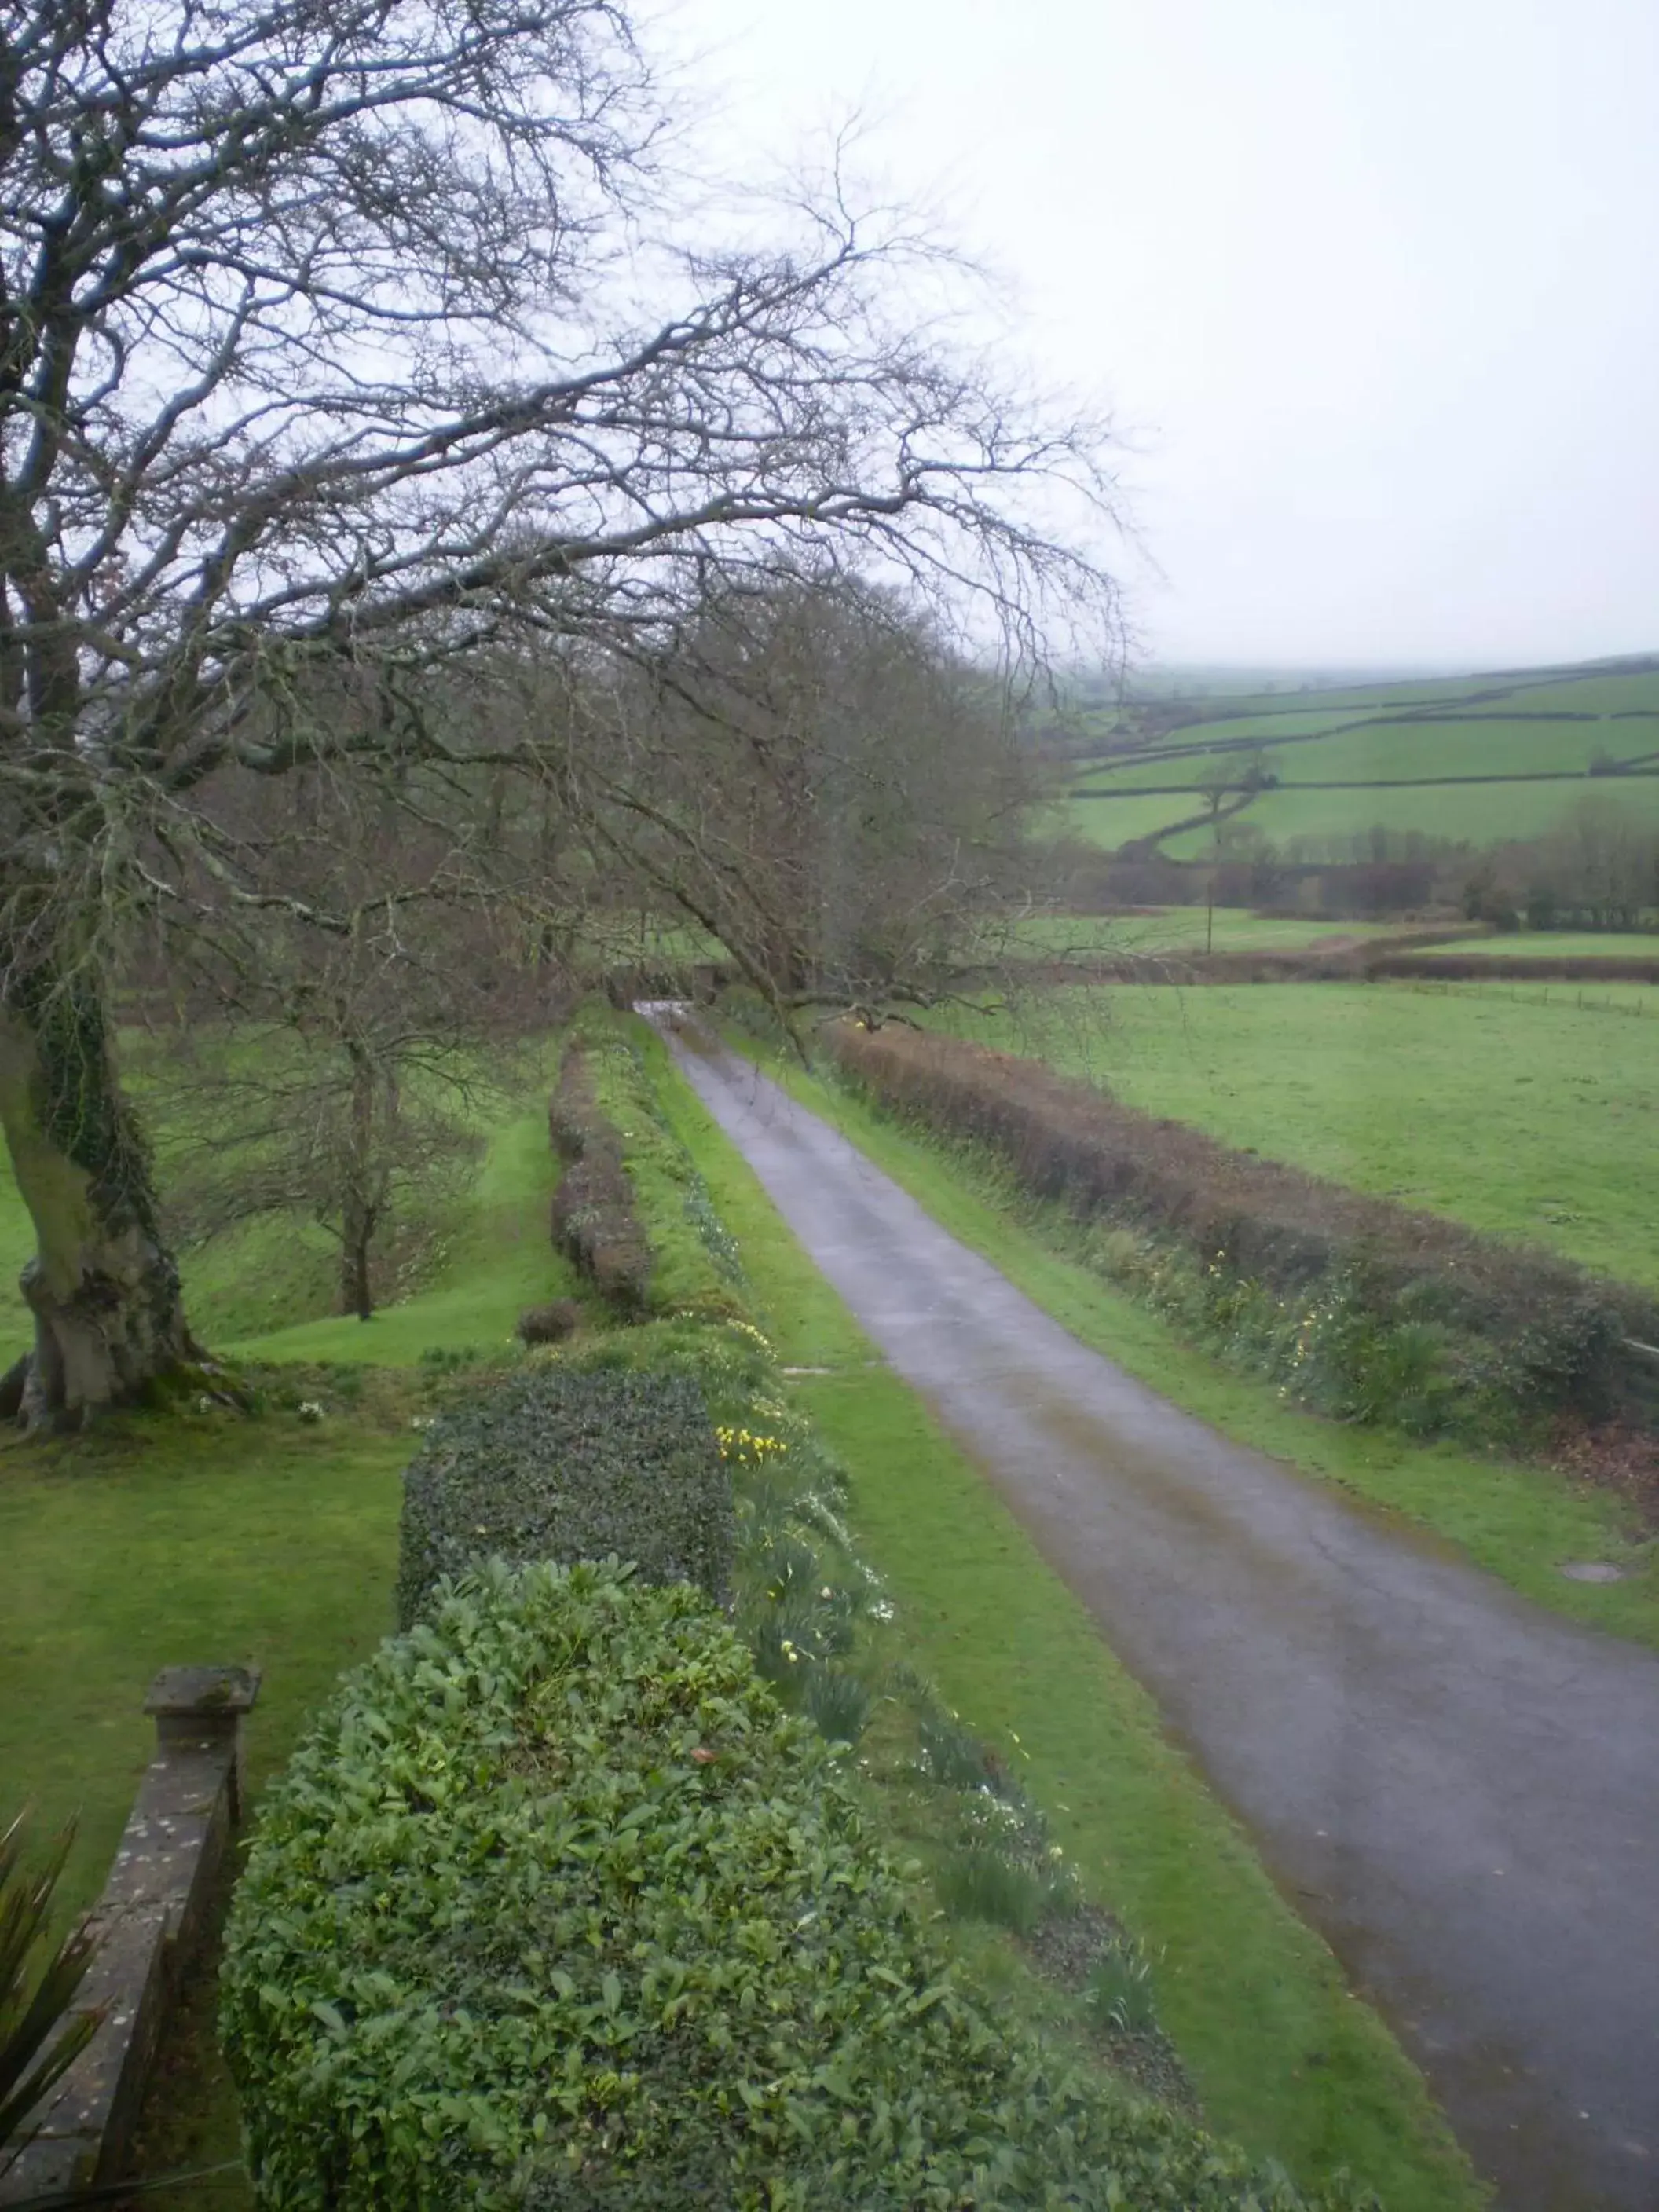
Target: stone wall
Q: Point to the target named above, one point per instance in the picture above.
(149, 1920)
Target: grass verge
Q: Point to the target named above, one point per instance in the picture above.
(1518, 1521)
(1284, 2057)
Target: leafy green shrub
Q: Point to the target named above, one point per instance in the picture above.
(554, 1908)
(551, 1324)
(560, 1464)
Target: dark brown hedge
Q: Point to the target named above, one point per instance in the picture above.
(1066, 1141)
(595, 1219)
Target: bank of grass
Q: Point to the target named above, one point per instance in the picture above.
(690, 1271)
(267, 1288)
(495, 1259)
(1519, 1522)
(1529, 1116)
(1284, 2057)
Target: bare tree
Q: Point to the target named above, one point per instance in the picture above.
(817, 779)
(322, 366)
(351, 1093)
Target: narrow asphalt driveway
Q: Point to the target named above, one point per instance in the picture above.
(1461, 1791)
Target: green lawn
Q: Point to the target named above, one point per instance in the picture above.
(1284, 2057)
(151, 1543)
(1528, 1115)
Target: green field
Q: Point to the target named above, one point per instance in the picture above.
(1535, 731)
(1469, 813)
(1529, 1116)
(1406, 752)
(1184, 928)
(1558, 944)
(1255, 729)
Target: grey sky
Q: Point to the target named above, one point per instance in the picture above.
(1373, 283)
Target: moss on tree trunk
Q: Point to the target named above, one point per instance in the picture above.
(109, 1321)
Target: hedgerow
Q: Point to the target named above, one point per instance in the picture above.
(694, 1262)
(1360, 1308)
(594, 1217)
(556, 1908)
(637, 1209)
(561, 1464)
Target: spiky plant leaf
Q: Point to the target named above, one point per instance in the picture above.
(37, 2045)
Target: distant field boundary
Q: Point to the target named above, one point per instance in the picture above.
(1354, 962)
(1195, 749)
(1406, 958)
(1497, 684)
(1514, 967)
(1619, 775)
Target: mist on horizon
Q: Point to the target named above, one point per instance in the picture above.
(1367, 290)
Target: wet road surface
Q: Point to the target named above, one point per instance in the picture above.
(1458, 1789)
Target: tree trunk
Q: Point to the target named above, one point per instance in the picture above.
(359, 1214)
(357, 1283)
(109, 1321)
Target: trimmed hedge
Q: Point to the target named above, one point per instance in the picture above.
(595, 1218)
(555, 1908)
(631, 1210)
(1481, 1331)
(564, 1465)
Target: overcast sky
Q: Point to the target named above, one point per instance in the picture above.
(1373, 283)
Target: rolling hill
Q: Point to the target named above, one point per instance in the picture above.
(1475, 759)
